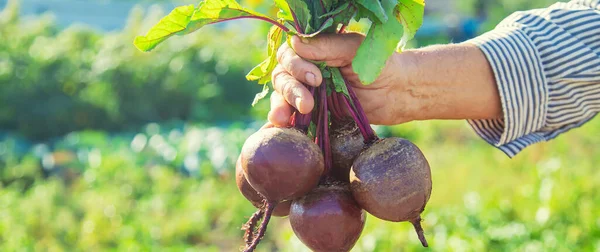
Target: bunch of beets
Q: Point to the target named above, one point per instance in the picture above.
(329, 165)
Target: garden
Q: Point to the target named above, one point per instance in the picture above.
(106, 148)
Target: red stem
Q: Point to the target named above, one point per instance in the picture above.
(294, 119)
(332, 107)
(355, 117)
(319, 124)
(325, 136)
(342, 29)
(339, 104)
(361, 115)
(256, 17)
(298, 29)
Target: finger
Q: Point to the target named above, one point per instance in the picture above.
(267, 125)
(294, 92)
(299, 68)
(280, 112)
(334, 49)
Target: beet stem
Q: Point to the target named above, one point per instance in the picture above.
(325, 136)
(332, 107)
(296, 24)
(250, 226)
(319, 127)
(417, 224)
(294, 120)
(361, 115)
(263, 227)
(361, 127)
(337, 105)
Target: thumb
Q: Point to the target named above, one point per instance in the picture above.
(336, 50)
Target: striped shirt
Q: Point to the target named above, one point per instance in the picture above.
(546, 63)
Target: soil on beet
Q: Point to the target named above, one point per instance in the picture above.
(346, 144)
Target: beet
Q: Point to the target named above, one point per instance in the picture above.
(327, 219)
(281, 164)
(346, 143)
(282, 209)
(392, 181)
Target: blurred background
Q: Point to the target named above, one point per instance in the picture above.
(103, 147)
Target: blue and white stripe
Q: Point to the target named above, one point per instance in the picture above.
(546, 64)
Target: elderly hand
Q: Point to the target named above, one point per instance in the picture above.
(440, 82)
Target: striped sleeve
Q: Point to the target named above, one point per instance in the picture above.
(546, 63)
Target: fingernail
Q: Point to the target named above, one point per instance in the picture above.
(298, 101)
(311, 78)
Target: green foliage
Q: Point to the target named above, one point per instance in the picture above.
(379, 44)
(410, 14)
(262, 72)
(374, 9)
(383, 38)
(56, 81)
(187, 19)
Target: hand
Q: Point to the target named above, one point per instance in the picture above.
(438, 82)
(379, 99)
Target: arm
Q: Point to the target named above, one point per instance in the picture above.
(546, 64)
(533, 77)
(449, 82)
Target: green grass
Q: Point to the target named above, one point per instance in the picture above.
(110, 197)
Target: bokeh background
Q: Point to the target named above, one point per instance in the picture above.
(103, 147)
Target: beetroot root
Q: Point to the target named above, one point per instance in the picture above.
(392, 181)
(281, 164)
(327, 219)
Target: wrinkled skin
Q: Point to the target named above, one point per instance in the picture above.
(281, 164)
(391, 180)
(327, 219)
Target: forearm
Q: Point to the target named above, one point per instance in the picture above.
(449, 82)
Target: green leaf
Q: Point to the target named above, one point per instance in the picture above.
(284, 10)
(186, 19)
(325, 25)
(410, 14)
(263, 71)
(329, 4)
(338, 81)
(258, 71)
(261, 95)
(168, 26)
(326, 73)
(375, 9)
(303, 14)
(336, 11)
(312, 129)
(379, 44)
